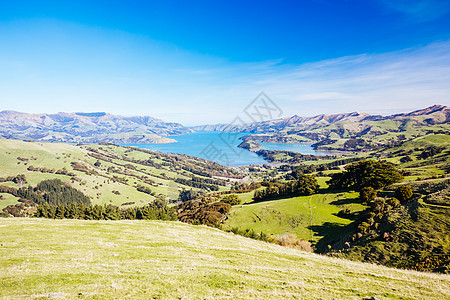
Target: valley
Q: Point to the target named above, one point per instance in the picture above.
(225, 150)
(299, 201)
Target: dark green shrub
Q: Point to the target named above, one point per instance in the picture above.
(367, 195)
(403, 193)
(393, 202)
(363, 227)
(231, 199)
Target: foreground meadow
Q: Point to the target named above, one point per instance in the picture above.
(42, 258)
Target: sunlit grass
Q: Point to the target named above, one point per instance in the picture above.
(171, 260)
(294, 214)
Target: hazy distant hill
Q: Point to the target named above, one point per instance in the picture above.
(346, 131)
(436, 114)
(87, 128)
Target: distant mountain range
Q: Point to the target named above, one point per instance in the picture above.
(87, 128)
(436, 114)
(346, 131)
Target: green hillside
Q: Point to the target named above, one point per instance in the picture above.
(109, 174)
(43, 259)
(308, 217)
(330, 220)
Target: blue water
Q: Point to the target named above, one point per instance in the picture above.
(221, 147)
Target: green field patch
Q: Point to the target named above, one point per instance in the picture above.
(302, 216)
(7, 199)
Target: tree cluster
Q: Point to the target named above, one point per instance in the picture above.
(157, 210)
(197, 182)
(51, 191)
(186, 195)
(144, 189)
(430, 152)
(231, 199)
(304, 185)
(16, 179)
(25, 208)
(199, 212)
(290, 156)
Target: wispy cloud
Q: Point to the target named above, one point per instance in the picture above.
(195, 88)
(421, 10)
(393, 81)
(375, 83)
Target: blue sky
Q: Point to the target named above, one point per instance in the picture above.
(203, 61)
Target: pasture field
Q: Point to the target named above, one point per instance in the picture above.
(75, 259)
(308, 217)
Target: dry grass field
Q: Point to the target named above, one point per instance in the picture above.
(73, 259)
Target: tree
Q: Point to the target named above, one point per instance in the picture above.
(306, 185)
(60, 211)
(403, 193)
(405, 159)
(186, 195)
(366, 173)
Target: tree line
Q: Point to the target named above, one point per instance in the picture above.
(157, 210)
(56, 200)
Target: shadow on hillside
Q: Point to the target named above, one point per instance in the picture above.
(332, 234)
(334, 191)
(321, 192)
(346, 201)
(352, 216)
(267, 200)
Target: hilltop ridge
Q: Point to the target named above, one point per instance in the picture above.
(355, 131)
(440, 113)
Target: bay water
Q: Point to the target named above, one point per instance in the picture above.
(221, 147)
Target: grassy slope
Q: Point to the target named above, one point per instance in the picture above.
(7, 200)
(58, 156)
(98, 187)
(307, 217)
(424, 230)
(423, 167)
(384, 131)
(169, 260)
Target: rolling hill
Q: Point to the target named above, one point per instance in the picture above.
(413, 235)
(108, 174)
